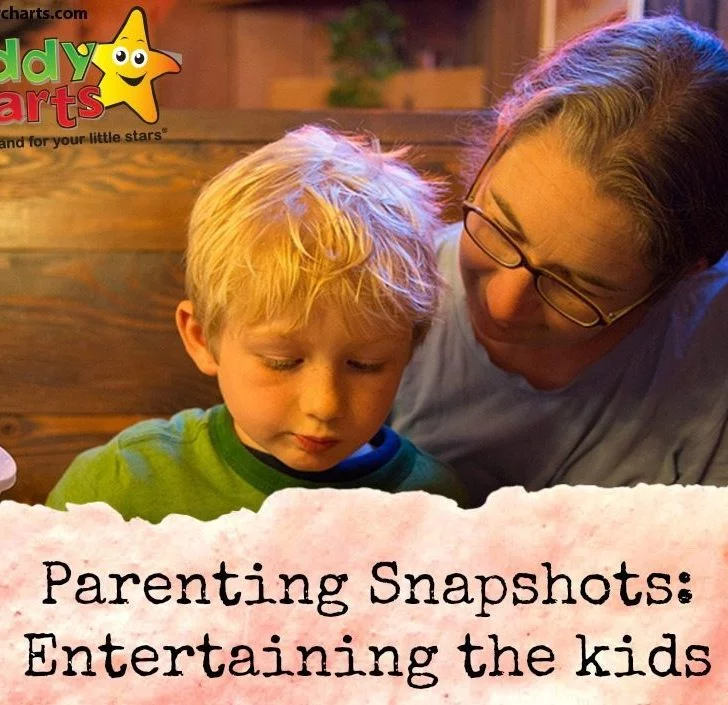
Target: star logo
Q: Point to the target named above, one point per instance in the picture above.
(130, 66)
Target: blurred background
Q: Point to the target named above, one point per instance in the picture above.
(310, 54)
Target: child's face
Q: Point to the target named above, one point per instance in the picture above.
(313, 396)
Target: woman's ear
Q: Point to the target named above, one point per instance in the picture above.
(193, 338)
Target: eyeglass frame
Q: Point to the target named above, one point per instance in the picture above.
(604, 318)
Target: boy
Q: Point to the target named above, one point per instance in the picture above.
(311, 278)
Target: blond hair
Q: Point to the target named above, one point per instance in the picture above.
(315, 217)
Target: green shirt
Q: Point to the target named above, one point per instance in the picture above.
(195, 464)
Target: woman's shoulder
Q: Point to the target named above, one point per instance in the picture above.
(694, 346)
(448, 234)
(701, 302)
(447, 251)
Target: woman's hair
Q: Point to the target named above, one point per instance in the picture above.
(315, 217)
(643, 107)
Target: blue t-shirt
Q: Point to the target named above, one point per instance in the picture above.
(654, 409)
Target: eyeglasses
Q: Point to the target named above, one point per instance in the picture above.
(555, 291)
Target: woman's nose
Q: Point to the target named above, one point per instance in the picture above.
(512, 295)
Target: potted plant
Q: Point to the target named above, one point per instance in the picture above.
(363, 52)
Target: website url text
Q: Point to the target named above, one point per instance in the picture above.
(40, 13)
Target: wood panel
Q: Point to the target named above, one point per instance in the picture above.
(91, 192)
(81, 198)
(260, 59)
(420, 89)
(220, 126)
(43, 446)
(205, 38)
(137, 196)
(511, 40)
(94, 332)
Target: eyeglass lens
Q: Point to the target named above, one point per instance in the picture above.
(496, 245)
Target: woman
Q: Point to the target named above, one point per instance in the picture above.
(585, 338)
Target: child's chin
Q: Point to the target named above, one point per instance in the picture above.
(301, 458)
(312, 467)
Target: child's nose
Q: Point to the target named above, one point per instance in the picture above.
(321, 396)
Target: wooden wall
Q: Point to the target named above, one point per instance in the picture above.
(508, 38)
(235, 50)
(91, 238)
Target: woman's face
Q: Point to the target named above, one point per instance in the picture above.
(550, 208)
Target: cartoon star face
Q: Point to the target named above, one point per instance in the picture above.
(130, 62)
(130, 65)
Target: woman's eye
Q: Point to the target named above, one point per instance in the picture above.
(281, 364)
(591, 294)
(360, 366)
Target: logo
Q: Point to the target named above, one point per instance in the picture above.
(128, 64)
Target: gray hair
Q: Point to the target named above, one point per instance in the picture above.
(643, 107)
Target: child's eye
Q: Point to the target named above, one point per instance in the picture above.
(280, 364)
(360, 366)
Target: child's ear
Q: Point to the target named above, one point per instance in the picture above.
(193, 338)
